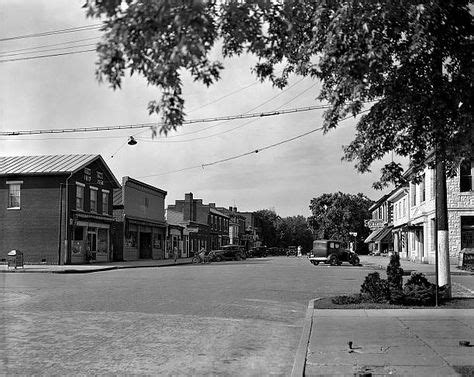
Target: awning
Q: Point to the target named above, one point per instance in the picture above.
(371, 236)
(385, 235)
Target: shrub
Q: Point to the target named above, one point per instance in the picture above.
(346, 300)
(375, 289)
(419, 291)
(395, 279)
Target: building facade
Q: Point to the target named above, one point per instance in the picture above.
(56, 209)
(140, 226)
(380, 240)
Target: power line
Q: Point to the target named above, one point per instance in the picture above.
(47, 50)
(46, 56)
(202, 166)
(49, 45)
(143, 125)
(53, 32)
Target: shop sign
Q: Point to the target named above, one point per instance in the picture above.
(374, 224)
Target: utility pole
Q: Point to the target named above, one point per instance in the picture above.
(442, 247)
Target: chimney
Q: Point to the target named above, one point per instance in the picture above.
(235, 209)
(230, 209)
(188, 206)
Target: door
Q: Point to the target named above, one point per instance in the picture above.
(92, 243)
(145, 246)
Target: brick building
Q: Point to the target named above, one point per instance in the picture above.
(56, 208)
(139, 229)
(204, 226)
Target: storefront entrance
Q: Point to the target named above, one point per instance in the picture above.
(145, 250)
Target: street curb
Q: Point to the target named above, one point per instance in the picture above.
(87, 271)
(300, 358)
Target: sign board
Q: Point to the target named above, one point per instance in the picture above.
(374, 224)
(466, 257)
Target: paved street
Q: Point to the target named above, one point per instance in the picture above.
(230, 318)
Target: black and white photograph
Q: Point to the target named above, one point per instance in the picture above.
(236, 187)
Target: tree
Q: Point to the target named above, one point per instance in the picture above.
(412, 57)
(335, 215)
(266, 220)
(294, 231)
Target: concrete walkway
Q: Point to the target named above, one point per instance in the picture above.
(415, 342)
(86, 268)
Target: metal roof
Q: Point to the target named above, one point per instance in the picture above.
(47, 164)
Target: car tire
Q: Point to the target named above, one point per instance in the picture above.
(195, 260)
(315, 262)
(355, 261)
(333, 260)
(218, 258)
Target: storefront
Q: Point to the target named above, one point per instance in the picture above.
(90, 240)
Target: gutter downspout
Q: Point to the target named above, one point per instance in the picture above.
(68, 253)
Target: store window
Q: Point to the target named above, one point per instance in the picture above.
(131, 238)
(467, 232)
(79, 196)
(157, 241)
(105, 202)
(102, 240)
(93, 199)
(14, 195)
(466, 176)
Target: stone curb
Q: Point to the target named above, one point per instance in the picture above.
(301, 352)
(90, 270)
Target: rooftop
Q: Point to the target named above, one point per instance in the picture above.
(47, 164)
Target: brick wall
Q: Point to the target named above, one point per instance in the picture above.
(34, 228)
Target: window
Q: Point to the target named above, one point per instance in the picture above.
(79, 196)
(422, 189)
(413, 195)
(433, 183)
(105, 201)
(147, 203)
(14, 194)
(93, 199)
(404, 206)
(466, 176)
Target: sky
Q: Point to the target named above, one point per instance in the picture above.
(63, 92)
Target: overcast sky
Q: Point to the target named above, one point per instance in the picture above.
(62, 92)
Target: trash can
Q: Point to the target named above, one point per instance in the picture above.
(15, 259)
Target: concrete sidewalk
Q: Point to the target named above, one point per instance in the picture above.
(416, 342)
(86, 268)
(382, 262)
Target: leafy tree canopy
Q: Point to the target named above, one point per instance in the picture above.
(335, 215)
(294, 231)
(267, 220)
(413, 58)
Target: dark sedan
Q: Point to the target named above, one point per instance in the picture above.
(227, 252)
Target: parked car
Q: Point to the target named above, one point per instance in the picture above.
(331, 252)
(228, 252)
(292, 251)
(258, 251)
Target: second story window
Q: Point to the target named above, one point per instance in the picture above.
(105, 202)
(93, 199)
(79, 197)
(14, 194)
(466, 176)
(422, 189)
(413, 194)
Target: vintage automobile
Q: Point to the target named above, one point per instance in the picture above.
(227, 252)
(292, 251)
(331, 252)
(258, 252)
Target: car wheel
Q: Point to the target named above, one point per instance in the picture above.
(355, 261)
(218, 258)
(195, 260)
(315, 262)
(333, 261)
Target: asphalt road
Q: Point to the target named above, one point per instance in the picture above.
(230, 318)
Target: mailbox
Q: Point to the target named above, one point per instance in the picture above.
(15, 259)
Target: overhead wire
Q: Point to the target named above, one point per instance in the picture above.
(202, 166)
(49, 45)
(46, 56)
(53, 32)
(47, 50)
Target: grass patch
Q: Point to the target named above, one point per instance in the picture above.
(327, 303)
